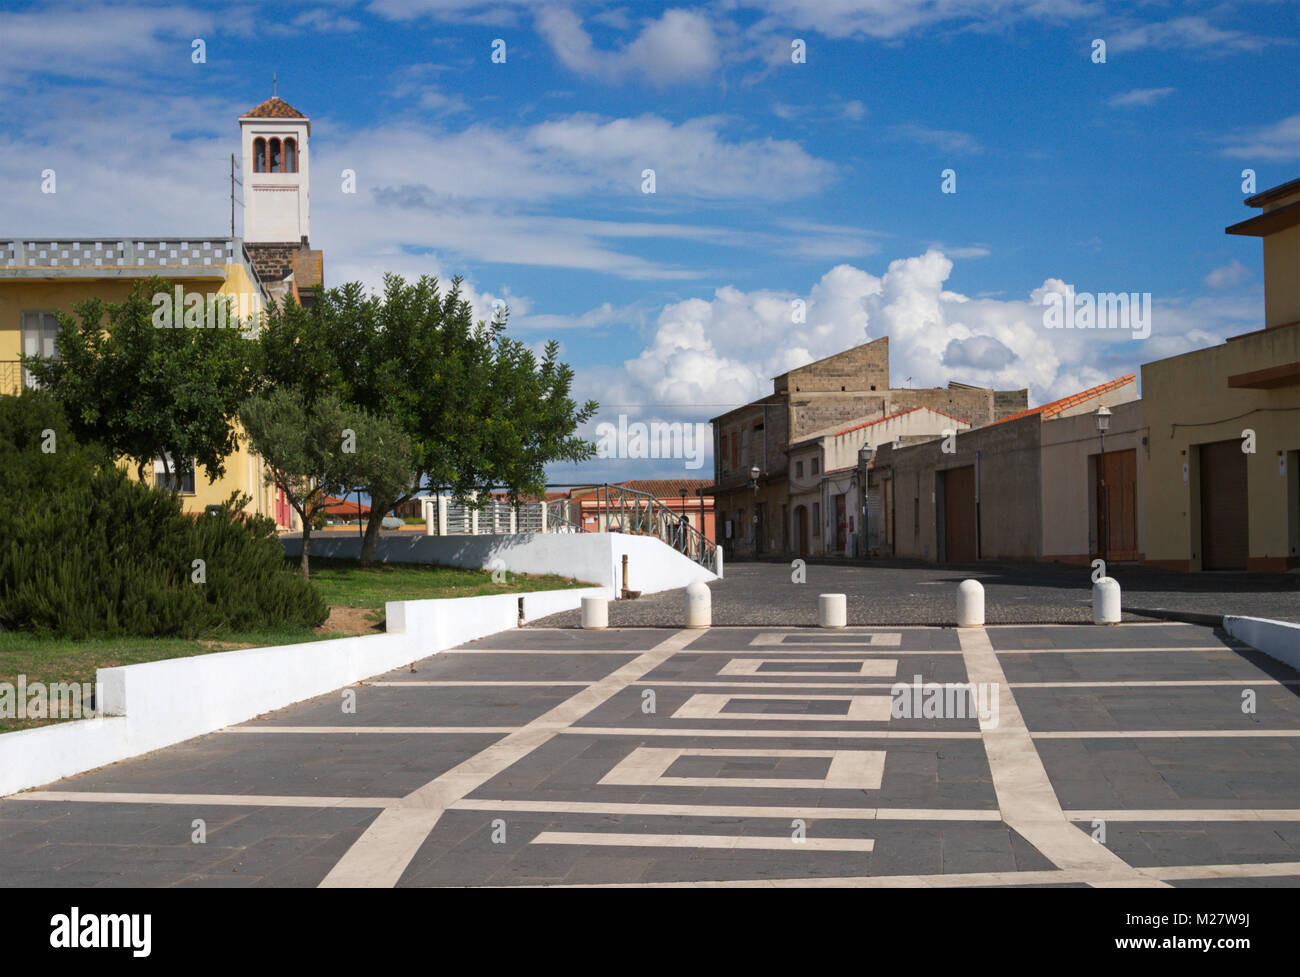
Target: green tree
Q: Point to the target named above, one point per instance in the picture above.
(481, 410)
(314, 450)
(146, 392)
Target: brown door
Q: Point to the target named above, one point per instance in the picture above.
(841, 525)
(1118, 504)
(959, 514)
(1224, 522)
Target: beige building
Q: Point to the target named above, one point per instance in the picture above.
(1222, 489)
(984, 494)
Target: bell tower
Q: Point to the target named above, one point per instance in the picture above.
(277, 197)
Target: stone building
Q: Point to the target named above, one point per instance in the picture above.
(839, 392)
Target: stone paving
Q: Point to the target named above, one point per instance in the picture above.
(1146, 754)
(764, 594)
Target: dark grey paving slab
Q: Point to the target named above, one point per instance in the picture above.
(461, 851)
(426, 706)
(1151, 843)
(1260, 882)
(631, 640)
(293, 764)
(1108, 636)
(79, 845)
(1217, 707)
(1160, 773)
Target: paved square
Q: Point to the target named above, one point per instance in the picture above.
(1137, 755)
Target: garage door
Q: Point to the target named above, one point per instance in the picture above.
(959, 515)
(1224, 522)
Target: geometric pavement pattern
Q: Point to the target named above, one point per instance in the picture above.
(1091, 756)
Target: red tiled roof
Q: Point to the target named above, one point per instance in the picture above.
(339, 507)
(665, 488)
(273, 108)
(890, 417)
(1065, 403)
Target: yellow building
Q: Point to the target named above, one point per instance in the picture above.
(1222, 485)
(40, 277)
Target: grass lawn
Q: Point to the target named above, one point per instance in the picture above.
(356, 599)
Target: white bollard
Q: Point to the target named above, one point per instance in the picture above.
(1105, 601)
(699, 605)
(970, 604)
(832, 610)
(595, 613)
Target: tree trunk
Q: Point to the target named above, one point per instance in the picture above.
(306, 548)
(370, 542)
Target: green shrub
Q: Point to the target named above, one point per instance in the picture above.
(87, 552)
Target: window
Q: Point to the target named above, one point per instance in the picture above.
(259, 155)
(817, 519)
(798, 469)
(164, 481)
(39, 330)
(723, 451)
(273, 155)
(816, 466)
(290, 156)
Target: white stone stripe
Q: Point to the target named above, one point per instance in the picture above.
(390, 730)
(1108, 651)
(730, 810)
(817, 734)
(1159, 734)
(380, 856)
(1157, 683)
(861, 708)
(220, 800)
(726, 842)
(877, 639)
(434, 684)
(1025, 795)
(878, 667)
(1189, 815)
(648, 766)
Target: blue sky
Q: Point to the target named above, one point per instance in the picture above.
(775, 181)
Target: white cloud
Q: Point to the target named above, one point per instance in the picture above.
(1281, 140)
(1232, 274)
(1140, 97)
(946, 140)
(679, 46)
(1187, 33)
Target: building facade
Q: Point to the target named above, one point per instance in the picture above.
(41, 277)
(1223, 486)
(752, 444)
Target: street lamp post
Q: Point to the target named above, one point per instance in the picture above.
(700, 493)
(1102, 417)
(754, 472)
(864, 458)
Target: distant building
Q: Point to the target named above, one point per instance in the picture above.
(753, 443)
(690, 498)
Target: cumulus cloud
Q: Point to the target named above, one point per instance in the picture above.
(678, 46)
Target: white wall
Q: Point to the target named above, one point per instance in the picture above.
(594, 558)
(158, 704)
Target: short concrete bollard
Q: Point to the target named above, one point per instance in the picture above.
(832, 610)
(970, 604)
(595, 613)
(1105, 601)
(699, 605)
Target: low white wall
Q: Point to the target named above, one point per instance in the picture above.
(594, 558)
(158, 704)
(1278, 639)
